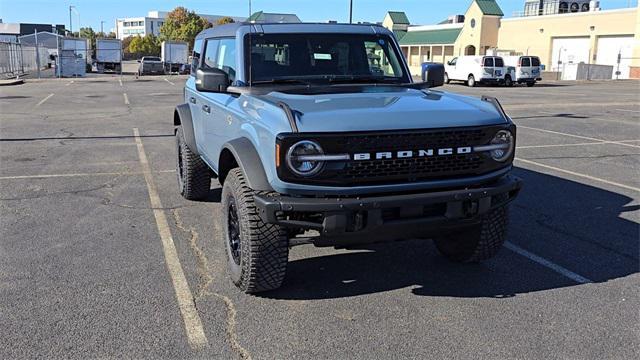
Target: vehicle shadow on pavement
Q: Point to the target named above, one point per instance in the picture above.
(574, 225)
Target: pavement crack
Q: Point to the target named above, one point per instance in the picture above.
(203, 288)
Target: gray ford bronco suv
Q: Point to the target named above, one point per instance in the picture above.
(318, 135)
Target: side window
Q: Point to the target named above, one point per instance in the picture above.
(453, 62)
(195, 61)
(226, 57)
(488, 62)
(526, 61)
(210, 52)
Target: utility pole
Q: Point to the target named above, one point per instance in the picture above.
(351, 12)
(102, 27)
(70, 20)
(37, 53)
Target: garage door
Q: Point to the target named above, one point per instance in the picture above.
(572, 50)
(609, 48)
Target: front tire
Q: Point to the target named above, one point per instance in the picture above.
(478, 243)
(446, 78)
(194, 176)
(471, 81)
(257, 252)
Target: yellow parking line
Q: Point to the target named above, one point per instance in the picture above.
(190, 316)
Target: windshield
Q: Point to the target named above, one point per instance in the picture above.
(323, 57)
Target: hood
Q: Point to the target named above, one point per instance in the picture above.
(379, 108)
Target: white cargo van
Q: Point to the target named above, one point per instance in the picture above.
(475, 69)
(527, 69)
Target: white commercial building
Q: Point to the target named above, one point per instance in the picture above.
(152, 23)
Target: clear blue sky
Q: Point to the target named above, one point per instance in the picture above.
(93, 11)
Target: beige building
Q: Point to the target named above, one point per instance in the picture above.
(588, 34)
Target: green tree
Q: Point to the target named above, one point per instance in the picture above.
(183, 25)
(225, 20)
(144, 46)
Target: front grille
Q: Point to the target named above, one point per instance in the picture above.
(399, 170)
(413, 169)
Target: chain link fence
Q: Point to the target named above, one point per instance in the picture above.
(17, 59)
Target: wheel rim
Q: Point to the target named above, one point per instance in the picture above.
(180, 167)
(233, 230)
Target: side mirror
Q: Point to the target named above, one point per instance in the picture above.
(212, 80)
(433, 74)
(139, 61)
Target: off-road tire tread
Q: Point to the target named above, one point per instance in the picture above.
(197, 175)
(264, 260)
(491, 235)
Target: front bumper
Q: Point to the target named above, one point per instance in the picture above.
(344, 221)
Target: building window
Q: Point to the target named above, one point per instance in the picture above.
(473, 23)
(126, 24)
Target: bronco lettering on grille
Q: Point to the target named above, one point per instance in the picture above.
(408, 154)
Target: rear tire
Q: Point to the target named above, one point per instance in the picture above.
(507, 81)
(257, 252)
(478, 243)
(446, 78)
(471, 81)
(194, 176)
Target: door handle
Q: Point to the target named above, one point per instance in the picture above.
(206, 108)
(192, 100)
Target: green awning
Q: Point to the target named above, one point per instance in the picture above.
(428, 37)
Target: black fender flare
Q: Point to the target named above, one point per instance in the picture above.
(182, 117)
(247, 158)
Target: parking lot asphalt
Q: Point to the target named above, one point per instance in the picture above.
(85, 271)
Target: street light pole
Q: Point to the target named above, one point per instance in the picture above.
(351, 12)
(102, 27)
(70, 20)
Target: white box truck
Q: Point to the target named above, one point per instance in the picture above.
(174, 55)
(108, 55)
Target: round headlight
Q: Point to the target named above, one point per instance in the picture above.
(300, 158)
(504, 150)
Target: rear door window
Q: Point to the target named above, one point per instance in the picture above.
(499, 62)
(525, 61)
(488, 62)
(535, 61)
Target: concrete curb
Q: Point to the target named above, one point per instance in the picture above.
(11, 82)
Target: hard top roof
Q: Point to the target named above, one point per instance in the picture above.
(230, 30)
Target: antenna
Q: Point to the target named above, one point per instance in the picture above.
(250, 47)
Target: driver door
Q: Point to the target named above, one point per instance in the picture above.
(216, 115)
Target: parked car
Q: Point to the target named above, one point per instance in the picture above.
(150, 65)
(476, 70)
(314, 142)
(527, 69)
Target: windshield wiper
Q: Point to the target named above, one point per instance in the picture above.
(280, 81)
(364, 79)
